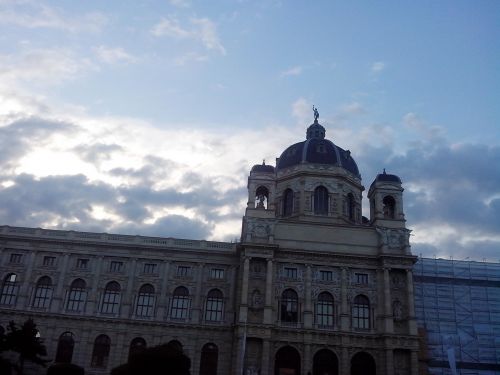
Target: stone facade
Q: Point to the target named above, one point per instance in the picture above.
(312, 287)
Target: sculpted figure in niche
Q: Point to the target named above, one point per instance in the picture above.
(397, 310)
(256, 299)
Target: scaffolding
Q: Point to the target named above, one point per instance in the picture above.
(457, 303)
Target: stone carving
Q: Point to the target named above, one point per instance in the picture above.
(397, 310)
(257, 301)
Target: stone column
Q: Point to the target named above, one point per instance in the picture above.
(414, 362)
(197, 315)
(244, 291)
(266, 356)
(59, 293)
(307, 364)
(268, 308)
(93, 297)
(23, 300)
(412, 323)
(240, 351)
(162, 311)
(388, 318)
(308, 310)
(129, 298)
(345, 363)
(344, 308)
(389, 362)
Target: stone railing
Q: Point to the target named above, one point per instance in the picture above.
(116, 238)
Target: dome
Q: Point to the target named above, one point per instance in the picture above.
(385, 177)
(262, 168)
(316, 149)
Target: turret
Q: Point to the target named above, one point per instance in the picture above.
(386, 201)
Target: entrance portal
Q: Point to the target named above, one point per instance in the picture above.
(287, 361)
(363, 364)
(325, 362)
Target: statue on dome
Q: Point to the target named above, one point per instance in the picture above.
(316, 114)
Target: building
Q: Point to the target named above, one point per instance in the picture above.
(458, 310)
(312, 287)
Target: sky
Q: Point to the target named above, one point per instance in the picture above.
(145, 117)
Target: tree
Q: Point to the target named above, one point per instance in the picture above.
(26, 343)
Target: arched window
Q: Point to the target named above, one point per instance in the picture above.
(287, 361)
(43, 293)
(289, 306)
(325, 362)
(9, 290)
(350, 206)
(321, 201)
(77, 296)
(389, 207)
(363, 363)
(65, 347)
(145, 301)
(215, 306)
(100, 354)
(111, 298)
(180, 303)
(209, 359)
(261, 197)
(137, 345)
(361, 312)
(324, 310)
(287, 202)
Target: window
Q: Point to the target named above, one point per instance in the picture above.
(43, 293)
(82, 263)
(16, 258)
(65, 347)
(289, 306)
(115, 266)
(389, 207)
(9, 290)
(145, 301)
(100, 354)
(111, 298)
(49, 261)
(180, 303)
(290, 273)
(183, 271)
(215, 306)
(324, 310)
(321, 201)
(217, 273)
(326, 275)
(361, 312)
(137, 345)
(288, 202)
(261, 197)
(361, 278)
(77, 296)
(150, 268)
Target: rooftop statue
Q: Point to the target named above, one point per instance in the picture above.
(316, 114)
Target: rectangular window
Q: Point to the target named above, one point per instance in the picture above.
(115, 266)
(361, 278)
(82, 263)
(150, 268)
(217, 273)
(16, 258)
(183, 271)
(290, 273)
(326, 275)
(49, 261)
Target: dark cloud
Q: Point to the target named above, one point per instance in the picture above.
(18, 137)
(97, 153)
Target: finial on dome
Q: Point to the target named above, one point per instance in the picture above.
(316, 114)
(384, 171)
(263, 161)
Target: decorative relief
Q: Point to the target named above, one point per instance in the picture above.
(394, 238)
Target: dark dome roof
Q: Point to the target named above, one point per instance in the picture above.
(386, 177)
(262, 168)
(317, 150)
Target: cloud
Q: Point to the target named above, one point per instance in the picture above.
(202, 30)
(293, 71)
(34, 15)
(190, 57)
(112, 55)
(302, 110)
(378, 67)
(180, 3)
(37, 66)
